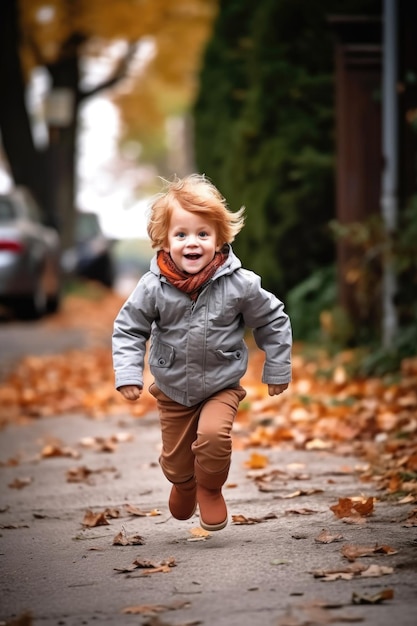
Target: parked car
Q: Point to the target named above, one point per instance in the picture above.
(92, 255)
(30, 272)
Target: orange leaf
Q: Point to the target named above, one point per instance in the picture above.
(257, 461)
(94, 519)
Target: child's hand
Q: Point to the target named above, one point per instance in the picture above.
(275, 390)
(130, 392)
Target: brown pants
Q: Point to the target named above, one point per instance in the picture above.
(198, 433)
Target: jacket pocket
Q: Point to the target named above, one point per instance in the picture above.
(161, 355)
(234, 354)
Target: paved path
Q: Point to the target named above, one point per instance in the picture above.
(65, 574)
(18, 339)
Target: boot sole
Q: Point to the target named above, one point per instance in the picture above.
(213, 527)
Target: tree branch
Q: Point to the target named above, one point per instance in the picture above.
(119, 73)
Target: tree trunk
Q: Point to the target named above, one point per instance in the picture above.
(63, 126)
(25, 162)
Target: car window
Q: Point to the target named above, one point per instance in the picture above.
(32, 208)
(87, 227)
(7, 210)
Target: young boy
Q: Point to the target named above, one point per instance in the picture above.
(194, 304)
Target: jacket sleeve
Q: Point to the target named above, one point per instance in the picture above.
(264, 313)
(131, 331)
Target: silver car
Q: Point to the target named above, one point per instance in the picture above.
(30, 277)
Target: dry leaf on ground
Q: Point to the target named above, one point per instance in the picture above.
(123, 539)
(377, 598)
(326, 537)
(148, 567)
(199, 533)
(352, 552)
(20, 483)
(242, 520)
(351, 507)
(130, 509)
(153, 609)
(92, 519)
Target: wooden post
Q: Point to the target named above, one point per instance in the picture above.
(358, 143)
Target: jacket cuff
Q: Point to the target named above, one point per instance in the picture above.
(276, 375)
(122, 380)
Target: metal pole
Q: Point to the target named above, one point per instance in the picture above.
(389, 181)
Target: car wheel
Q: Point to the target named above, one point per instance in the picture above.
(34, 306)
(107, 272)
(53, 303)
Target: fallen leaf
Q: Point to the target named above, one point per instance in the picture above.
(349, 507)
(326, 537)
(376, 571)
(317, 613)
(58, 450)
(149, 567)
(350, 571)
(135, 511)
(199, 533)
(153, 609)
(302, 511)
(14, 526)
(352, 552)
(407, 499)
(377, 598)
(355, 570)
(78, 474)
(106, 445)
(12, 462)
(365, 507)
(114, 513)
(20, 483)
(156, 621)
(242, 520)
(300, 492)
(95, 519)
(257, 461)
(122, 437)
(122, 539)
(23, 620)
(411, 519)
(319, 444)
(83, 474)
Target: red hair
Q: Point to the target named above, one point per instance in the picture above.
(197, 194)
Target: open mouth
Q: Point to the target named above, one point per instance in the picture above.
(192, 257)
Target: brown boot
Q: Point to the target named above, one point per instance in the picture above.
(183, 499)
(213, 510)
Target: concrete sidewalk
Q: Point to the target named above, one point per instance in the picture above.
(63, 573)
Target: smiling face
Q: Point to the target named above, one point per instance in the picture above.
(191, 240)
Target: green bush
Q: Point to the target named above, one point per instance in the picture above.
(306, 302)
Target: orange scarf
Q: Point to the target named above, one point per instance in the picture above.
(189, 283)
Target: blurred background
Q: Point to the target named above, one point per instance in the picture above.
(303, 111)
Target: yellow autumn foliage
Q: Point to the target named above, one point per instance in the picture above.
(173, 33)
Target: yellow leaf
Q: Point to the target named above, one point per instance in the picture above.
(257, 461)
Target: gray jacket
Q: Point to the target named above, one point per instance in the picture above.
(198, 348)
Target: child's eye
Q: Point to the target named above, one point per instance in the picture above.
(203, 233)
(180, 235)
